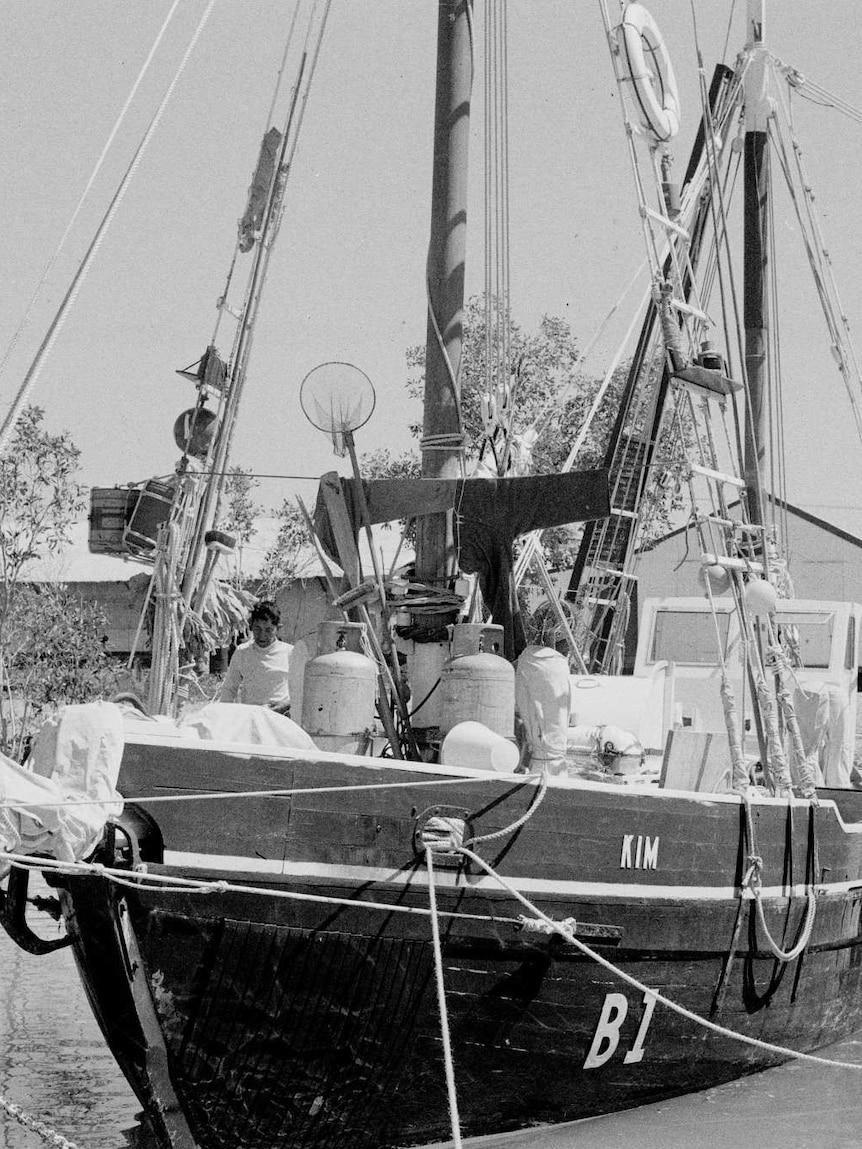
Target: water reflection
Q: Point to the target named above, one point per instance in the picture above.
(53, 1061)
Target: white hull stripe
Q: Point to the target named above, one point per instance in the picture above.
(214, 866)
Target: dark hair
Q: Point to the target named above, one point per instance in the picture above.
(266, 611)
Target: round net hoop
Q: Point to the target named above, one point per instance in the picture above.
(337, 398)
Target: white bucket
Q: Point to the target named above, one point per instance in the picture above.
(472, 745)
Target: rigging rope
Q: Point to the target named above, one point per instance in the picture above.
(532, 540)
(798, 81)
(498, 403)
(196, 510)
(672, 241)
(52, 262)
(739, 771)
(56, 327)
(244, 335)
(268, 121)
(752, 881)
(727, 33)
(843, 348)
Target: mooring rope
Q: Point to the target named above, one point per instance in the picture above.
(566, 932)
(519, 822)
(49, 1136)
(565, 929)
(173, 883)
(448, 1063)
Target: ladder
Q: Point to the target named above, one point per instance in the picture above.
(658, 406)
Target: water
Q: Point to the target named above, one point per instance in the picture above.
(54, 1064)
(53, 1061)
(797, 1106)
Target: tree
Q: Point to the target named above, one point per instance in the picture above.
(289, 554)
(54, 654)
(39, 499)
(241, 511)
(549, 397)
(549, 393)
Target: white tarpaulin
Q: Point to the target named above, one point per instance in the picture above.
(59, 803)
(236, 722)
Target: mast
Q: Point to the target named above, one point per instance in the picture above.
(185, 559)
(442, 436)
(755, 262)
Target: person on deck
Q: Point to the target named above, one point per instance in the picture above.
(258, 670)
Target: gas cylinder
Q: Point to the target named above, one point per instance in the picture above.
(476, 685)
(339, 687)
(475, 638)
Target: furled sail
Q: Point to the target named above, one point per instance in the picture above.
(258, 194)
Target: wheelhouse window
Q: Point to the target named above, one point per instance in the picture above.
(686, 636)
(810, 635)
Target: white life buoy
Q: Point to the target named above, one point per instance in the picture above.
(650, 71)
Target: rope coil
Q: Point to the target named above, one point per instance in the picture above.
(752, 882)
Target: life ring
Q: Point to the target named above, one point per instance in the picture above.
(650, 71)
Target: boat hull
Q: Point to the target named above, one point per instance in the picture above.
(296, 1004)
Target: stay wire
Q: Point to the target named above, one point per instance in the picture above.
(269, 119)
(52, 262)
(34, 371)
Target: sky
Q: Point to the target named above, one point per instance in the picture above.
(346, 280)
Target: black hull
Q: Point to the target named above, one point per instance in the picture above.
(255, 1019)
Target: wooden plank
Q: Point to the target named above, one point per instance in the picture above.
(697, 760)
(342, 529)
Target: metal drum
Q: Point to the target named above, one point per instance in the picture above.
(147, 515)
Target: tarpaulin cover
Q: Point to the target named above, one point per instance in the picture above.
(823, 713)
(236, 722)
(490, 514)
(75, 759)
